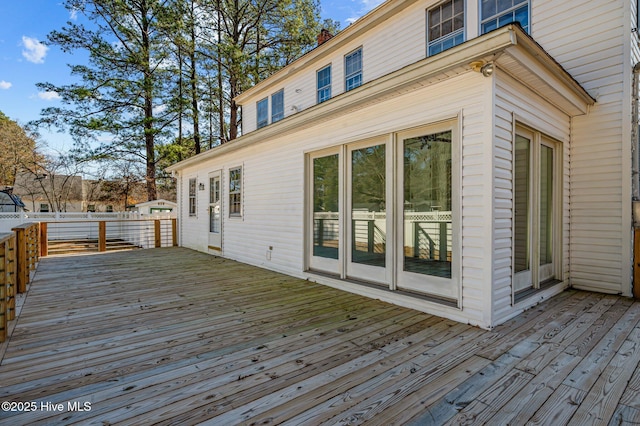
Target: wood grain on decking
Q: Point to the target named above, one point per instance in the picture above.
(173, 336)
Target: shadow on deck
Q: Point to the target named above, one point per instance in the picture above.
(173, 336)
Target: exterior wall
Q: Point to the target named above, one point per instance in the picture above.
(380, 56)
(274, 187)
(513, 104)
(600, 165)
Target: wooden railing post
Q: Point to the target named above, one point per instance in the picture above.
(102, 236)
(174, 231)
(157, 234)
(22, 261)
(44, 242)
(4, 275)
(11, 269)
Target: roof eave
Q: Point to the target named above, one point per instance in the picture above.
(510, 39)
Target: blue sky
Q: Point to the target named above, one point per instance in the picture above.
(25, 61)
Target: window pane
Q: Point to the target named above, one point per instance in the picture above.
(263, 112)
(488, 8)
(447, 11)
(324, 84)
(235, 192)
(353, 70)
(277, 106)
(368, 198)
(325, 207)
(446, 28)
(427, 205)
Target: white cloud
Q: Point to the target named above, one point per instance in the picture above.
(49, 96)
(34, 51)
(4, 85)
(365, 6)
(73, 15)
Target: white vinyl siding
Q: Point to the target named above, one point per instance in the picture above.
(274, 171)
(600, 150)
(515, 104)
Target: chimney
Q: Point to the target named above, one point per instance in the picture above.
(324, 36)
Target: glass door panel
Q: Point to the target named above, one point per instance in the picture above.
(215, 212)
(522, 216)
(545, 231)
(427, 205)
(325, 250)
(368, 214)
(426, 209)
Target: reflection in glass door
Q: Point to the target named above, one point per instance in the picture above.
(325, 250)
(427, 210)
(522, 216)
(368, 215)
(534, 220)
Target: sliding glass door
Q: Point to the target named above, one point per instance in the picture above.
(536, 204)
(384, 211)
(326, 207)
(367, 217)
(427, 251)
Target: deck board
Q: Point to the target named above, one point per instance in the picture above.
(173, 336)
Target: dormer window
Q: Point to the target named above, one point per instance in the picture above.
(277, 106)
(263, 112)
(497, 13)
(353, 70)
(446, 26)
(324, 84)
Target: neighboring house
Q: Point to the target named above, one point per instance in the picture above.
(437, 156)
(155, 207)
(50, 193)
(10, 203)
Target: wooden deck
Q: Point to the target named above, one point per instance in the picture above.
(172, 336)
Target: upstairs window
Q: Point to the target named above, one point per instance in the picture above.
(353, 70)
(277, 106)
(263, 112)
(324, 84)
(496, 13)
(446, 26)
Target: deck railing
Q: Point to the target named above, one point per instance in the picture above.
(21, 249)
(102, 235)
(19, 252)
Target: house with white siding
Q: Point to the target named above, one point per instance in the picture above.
(467, 158)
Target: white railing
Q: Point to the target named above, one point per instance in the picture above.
(10, 220)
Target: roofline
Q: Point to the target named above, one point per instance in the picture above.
(486, 47)
(363, 24)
